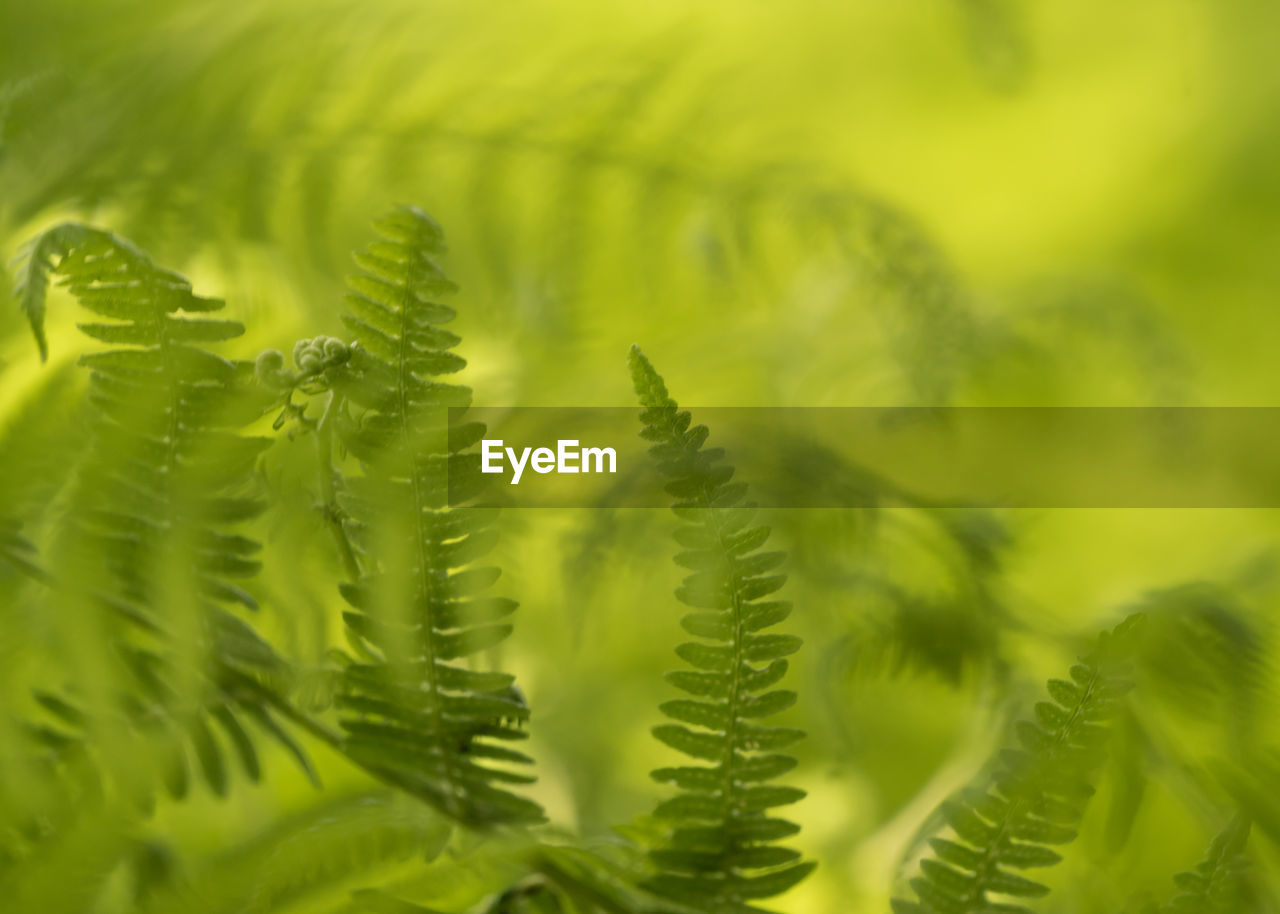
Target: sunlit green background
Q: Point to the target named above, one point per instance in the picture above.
(940, 202)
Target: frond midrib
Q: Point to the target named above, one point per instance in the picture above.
(404, 375)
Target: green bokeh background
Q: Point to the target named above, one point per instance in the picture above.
(944, 202)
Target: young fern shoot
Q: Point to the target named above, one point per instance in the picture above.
(417, 717)
(1036, 799)
(721, 853)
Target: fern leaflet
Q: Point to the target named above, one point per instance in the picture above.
(18, 551)
(418, 718)
(1037, 797)
(36, 264)
(721, 853)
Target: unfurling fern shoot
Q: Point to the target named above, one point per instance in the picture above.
(721, 853)
(1036, 798)
(417, 717)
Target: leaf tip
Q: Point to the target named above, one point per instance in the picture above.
(645, 379)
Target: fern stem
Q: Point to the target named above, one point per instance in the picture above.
(328, 497)
(735, 688)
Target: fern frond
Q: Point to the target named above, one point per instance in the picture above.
(1219, 883)
(1210, 656)
(722, 852)
(163, 491)
(417, 717)
(1037, 796)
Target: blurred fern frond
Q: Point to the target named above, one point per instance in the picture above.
(1037, 796)
(1219, 884)
(418, 717)
(311, 855)
(721, 854)
(602, 877)
(18, 551)
(157, 501)
(1208, 652)
(613, 153)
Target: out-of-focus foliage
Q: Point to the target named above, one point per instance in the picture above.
(971, 202)
(1036, 796)
(1221, 881)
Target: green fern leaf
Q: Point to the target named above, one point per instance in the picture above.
(1037, 796)
(418, 718)
(721, 854)
(163, 490)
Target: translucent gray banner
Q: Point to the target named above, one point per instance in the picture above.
(1013, 457)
